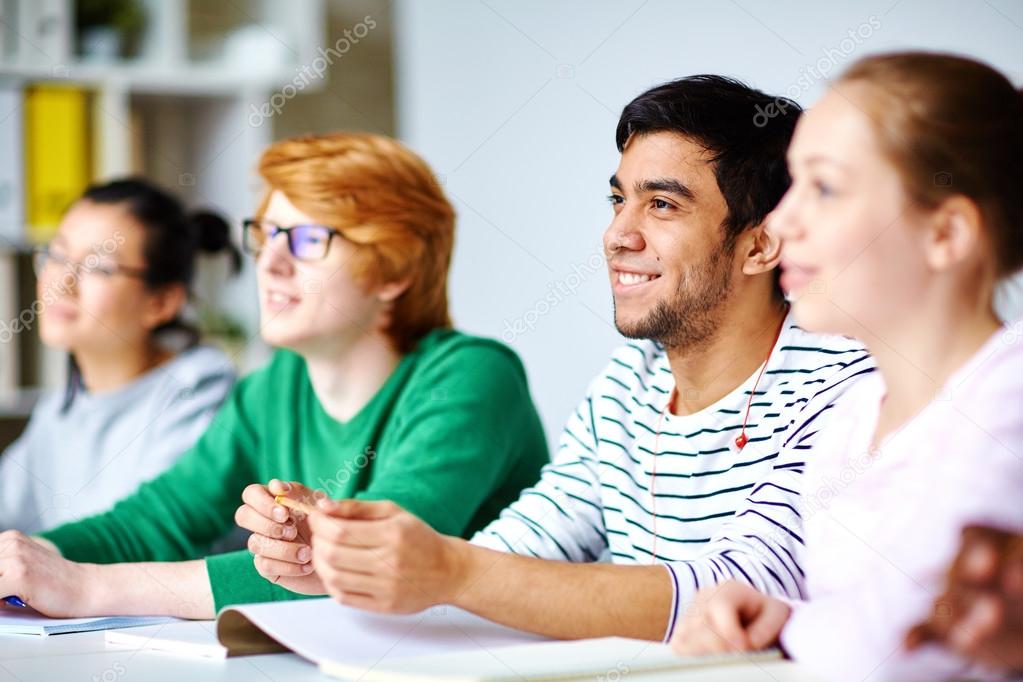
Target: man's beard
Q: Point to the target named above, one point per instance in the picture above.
(690, 317)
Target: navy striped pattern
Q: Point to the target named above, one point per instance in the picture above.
(721, 513)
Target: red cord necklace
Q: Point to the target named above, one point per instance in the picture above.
(740, 441)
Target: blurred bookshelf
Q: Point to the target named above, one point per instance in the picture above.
(168, 89)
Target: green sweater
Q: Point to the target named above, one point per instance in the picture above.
(452, 436)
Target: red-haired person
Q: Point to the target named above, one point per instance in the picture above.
(903, 217)
(371, 395)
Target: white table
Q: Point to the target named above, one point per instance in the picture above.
(86, 657)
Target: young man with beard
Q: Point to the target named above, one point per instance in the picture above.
(682, 463)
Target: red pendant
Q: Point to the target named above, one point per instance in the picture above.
(741, 441)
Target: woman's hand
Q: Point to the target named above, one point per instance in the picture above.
(980, 614)
(280, 540)
(730, 617)
(42, 578)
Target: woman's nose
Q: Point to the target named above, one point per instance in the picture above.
(782, 220)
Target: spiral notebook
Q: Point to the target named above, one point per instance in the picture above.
(28, 622)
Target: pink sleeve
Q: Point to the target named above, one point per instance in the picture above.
(858, 636)
(961, 462)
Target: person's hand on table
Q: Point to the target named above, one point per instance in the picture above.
(729, 617)
(34, 571)
(378, 557)
(280, 540)
(980, 613)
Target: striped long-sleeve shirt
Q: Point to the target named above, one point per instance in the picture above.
(633, 481)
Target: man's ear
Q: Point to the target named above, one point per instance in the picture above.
(761, 248)
(954, 232)
(163, 305)
(390, 291)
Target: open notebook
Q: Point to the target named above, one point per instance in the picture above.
(29, 622)
(442, 643)
(188, 638)
(322, 630)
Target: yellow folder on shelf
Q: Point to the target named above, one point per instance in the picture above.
(58, 154)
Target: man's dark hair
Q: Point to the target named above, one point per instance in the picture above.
(745, 130)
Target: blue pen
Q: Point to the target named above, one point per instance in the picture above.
(15, 601)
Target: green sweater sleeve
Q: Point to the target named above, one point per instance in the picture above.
(177, 515)
(460, 426)
(460, 430)
(461, 437)
(234, 580)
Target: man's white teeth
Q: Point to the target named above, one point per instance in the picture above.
(629, 278)
(275, 297)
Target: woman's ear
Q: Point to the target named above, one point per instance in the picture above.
(762, 249)
(954, 232)
(163, 305)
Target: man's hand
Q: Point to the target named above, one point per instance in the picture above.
(280, 540)
(729, 617)
(980, 614)
(42, 578)
(378, 557)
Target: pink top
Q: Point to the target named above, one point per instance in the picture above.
(882, 528)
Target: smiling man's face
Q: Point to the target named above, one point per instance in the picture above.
(670, 264)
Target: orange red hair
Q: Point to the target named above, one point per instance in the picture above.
(388, 203)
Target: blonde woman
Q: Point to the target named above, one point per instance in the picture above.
(904, 215)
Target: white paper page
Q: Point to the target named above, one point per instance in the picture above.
(605, 658)
(188, 638)
(322, 629)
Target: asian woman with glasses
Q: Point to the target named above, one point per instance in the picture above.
(140, 388)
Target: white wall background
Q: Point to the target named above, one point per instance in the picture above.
(515, 102)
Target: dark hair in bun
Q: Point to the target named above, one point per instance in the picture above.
(173, 241)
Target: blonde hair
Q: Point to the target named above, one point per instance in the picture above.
(951, 126)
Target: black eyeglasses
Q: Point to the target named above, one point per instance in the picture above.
(305, 242)
(44, 256)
